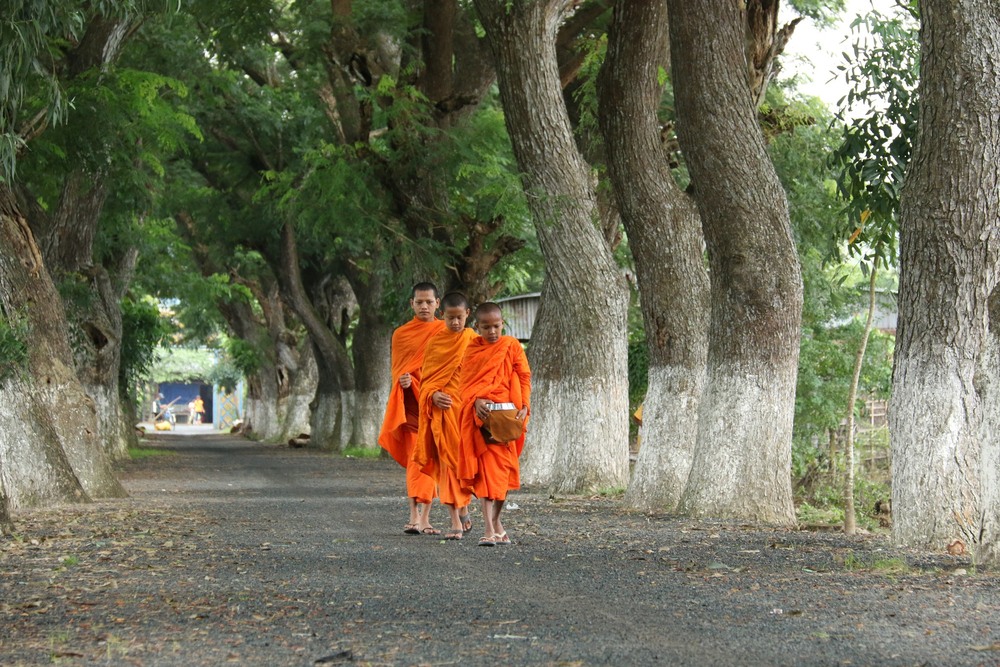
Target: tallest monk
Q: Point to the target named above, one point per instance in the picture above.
(399, 427)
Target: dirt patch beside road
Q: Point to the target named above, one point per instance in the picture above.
(230, 551)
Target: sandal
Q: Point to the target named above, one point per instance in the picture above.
(430, 530)
(411, 529)
(455, 534)
(466, 522)
(486, 542)
(502, 539)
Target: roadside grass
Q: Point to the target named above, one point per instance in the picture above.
(892, 567)
(137, 453)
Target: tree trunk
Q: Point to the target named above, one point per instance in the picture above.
(371, 352)
(54, 432)
(742, 464)
(578, 438)
(66, 240)
(6, 525)
(295, 410)
(988, 551)
(666, 241)
(950, 267)
(332, 408)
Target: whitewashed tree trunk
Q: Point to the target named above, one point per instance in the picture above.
(988, 550)
(295, 410)
(665, 237)
(331, 421)
(67, 428)
(742, 464)
(372, 356)
(33, 467)
(260, 412)
(578, 434)
(950, 268)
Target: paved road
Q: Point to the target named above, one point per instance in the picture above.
(255, 554)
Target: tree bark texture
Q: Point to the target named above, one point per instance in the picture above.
(6, 525)
(59, 439)
(742, 464)
(294, 409)
(334, 401)
(578, 435)
(950, 267)
(665, 237)
(370, 350)
(988, 550)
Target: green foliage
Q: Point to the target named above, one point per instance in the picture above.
(143, 330)
(26, 28)
(181, 364)
(823, 12)
(245, 357)
(830, 516)
(879, 116)
(139, 453)
(638, 371)
(15, 333)
(825, 367)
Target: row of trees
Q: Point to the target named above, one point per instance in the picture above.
(308, 161)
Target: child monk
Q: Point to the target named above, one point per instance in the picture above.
(494, 370)
(438, 438)
(399, 427)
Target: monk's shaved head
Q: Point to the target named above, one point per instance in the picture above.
(424, 287)
(454, 300)
(488, 308)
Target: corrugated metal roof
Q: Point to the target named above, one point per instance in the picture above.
(519, 314)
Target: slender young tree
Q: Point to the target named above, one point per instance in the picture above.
(665, 238)
(742, 462)
(578, 438)
(944, 457)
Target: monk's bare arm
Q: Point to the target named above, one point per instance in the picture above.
(523, 375)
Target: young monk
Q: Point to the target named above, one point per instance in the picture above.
(399, 427)
(494, 370)
(438, 438)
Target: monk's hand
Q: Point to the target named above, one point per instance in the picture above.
(441, 400)
(405, 380)
(522, 414)
(481, 410)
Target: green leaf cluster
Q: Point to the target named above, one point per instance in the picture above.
(144, 330)
(879, 117)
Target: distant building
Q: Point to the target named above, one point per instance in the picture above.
(519, 314)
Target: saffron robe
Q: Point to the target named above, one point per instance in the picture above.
(498, 372)
(438, 437)
(399, 427)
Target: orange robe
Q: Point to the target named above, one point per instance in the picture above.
(500, 373)
(438, 438)
(399, 427)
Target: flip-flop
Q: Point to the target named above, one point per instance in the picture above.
(466, 523)
(452, 535)
(411, 529)
(502, 540)
(486, 542)
(430, 530)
